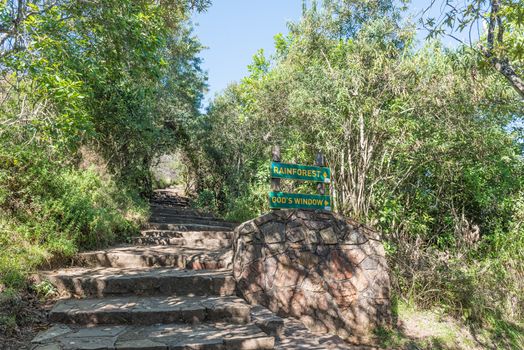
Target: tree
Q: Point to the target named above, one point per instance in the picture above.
(501, 43)
(98, 74)
(90, 92)
(416, 139)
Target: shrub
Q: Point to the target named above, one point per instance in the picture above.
(48, 210)
(480, 283)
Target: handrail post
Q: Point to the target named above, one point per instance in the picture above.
(320, 161)
(275, 157)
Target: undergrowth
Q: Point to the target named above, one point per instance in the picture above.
(49, 212)
(479, 285)
(434, 329)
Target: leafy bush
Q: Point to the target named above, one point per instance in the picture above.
(114, 77)
(45, 290)
(417, 139)
(477, 282)
(247, 206)
(206, 200)
(48, 211)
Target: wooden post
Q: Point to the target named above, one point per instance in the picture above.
(275, 157)
(321, 187)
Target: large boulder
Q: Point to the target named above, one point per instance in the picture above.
(326, 270)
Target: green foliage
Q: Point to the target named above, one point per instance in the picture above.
(481, 283)
(7, 323)
(169, 170)
(13, 311)
(45, 290)
(50, 211)
(501, 42)
(90, 93)
(117, 76)
(432, 329)
(417, 140)
(206, 200)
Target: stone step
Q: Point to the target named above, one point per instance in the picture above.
(193, 239)
(183, 202)
(195, 234)
(292, 334)
(295, 336)
(170, 205)
(171, 201)
(267, 321)
(151, 256)
(187, 227)
(150, 310)
(177, 219)
(166, 215)
(217, 336)
(167, 211)
(102, 282)
(181, 242)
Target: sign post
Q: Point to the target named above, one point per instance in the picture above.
(275, 156)
(321, 188)
(318, 173)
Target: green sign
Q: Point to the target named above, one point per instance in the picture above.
(299, 201)
(300, 172)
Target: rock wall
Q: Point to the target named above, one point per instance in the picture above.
(319, 267)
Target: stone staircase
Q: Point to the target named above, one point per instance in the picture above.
(172, 289)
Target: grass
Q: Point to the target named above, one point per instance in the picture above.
(500, 334)
(433, 330)
(59, 212)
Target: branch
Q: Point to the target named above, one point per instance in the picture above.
(11, 29)
(492, 24)
(503, 66)
(500, 34)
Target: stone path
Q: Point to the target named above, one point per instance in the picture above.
(172, 289)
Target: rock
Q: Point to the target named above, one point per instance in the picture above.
(53, 332)
(267, 321)
(140, 344)
(319, 267)
(48, 347)
(328, 236)
(273, 232)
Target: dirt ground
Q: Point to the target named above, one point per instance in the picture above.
(434, 330)
(21, 318)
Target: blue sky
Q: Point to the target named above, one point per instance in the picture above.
(234, 30)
